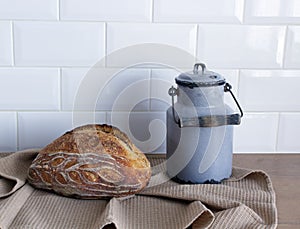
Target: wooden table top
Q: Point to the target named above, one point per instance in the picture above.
(284, 170)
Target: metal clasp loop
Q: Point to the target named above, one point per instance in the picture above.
(172, 92)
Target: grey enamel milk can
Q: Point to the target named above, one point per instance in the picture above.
(200, 128)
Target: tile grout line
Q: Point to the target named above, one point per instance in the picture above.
(277, 132)
(17, 131)
(58, 10)
(285, 48)
(150, 90)
(238, 83)
(60, 90)
(243, 13)
(106, 118)
(105, 44)
(116, 66)
(143, 111)
(59, 20)
(12, 26)
(152, 11)
(196, 53)
(81, 111)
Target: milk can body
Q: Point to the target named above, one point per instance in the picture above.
(200, 129)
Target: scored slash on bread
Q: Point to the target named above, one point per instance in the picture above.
(90, 162)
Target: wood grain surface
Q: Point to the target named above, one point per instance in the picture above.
(284, 170)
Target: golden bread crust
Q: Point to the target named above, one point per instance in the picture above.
(91, 161)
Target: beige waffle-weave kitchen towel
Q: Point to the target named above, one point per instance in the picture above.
(246, 200)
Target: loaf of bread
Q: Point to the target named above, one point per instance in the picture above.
(91, 162)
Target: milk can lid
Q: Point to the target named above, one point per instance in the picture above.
(200, 78)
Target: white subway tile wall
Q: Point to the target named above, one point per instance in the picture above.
(272, 11)
(8, 131)
(292, 59)
(122, 35)
(6, 55)
(289, 132)
(161, 81)
(29, 89)
(127, 90)
(258, 133)
(48, 49)
(213, 11)
(102, 10)
(28, 9)
(241, 46)
(70, 82)
(58, 43)
(147, 130)
(43, 127)
(275, 90)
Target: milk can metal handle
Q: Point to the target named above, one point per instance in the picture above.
(227, 88)
(210, 120)
(196, 66)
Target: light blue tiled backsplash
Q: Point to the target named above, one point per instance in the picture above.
(49, 82)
